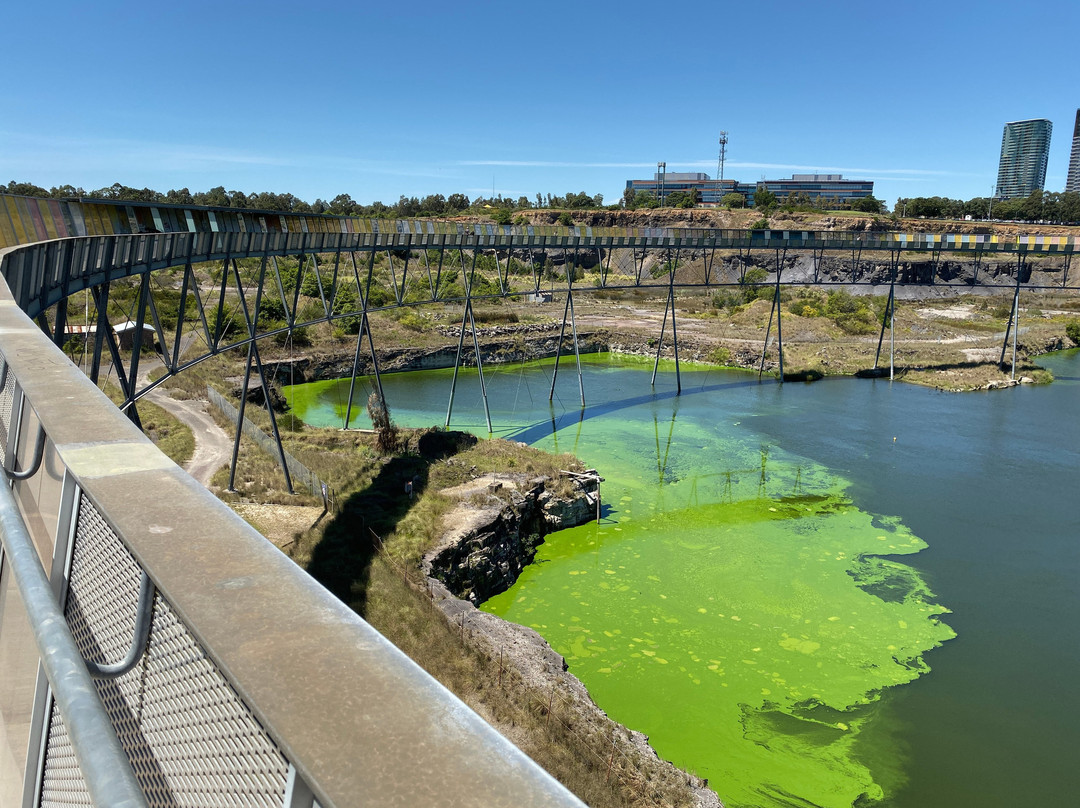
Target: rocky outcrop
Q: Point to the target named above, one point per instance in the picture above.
(502, 344)
(496, 536)
(490, 537)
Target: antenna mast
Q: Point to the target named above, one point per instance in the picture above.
(720, 162)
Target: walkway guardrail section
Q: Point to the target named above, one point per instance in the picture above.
(255, 687)
(43, 274)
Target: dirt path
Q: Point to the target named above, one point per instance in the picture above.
(213, 448)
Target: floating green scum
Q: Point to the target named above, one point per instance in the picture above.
(735, 606)
(733, 603)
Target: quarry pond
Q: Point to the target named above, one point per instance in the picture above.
(842, 593)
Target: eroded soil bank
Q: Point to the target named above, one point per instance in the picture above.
(490, 536)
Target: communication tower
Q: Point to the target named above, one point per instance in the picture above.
(720, 162)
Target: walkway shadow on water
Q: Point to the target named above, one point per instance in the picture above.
(540, 430)
(341, 561)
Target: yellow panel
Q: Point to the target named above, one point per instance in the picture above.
(16, 220)
(47, 218)
(90, 216)
(7, 232)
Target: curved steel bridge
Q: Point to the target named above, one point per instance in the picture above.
(154, 649)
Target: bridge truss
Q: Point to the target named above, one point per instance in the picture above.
(338, 271)
(209, 583)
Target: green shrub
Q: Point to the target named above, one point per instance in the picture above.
(720, 356)
(1072, 331)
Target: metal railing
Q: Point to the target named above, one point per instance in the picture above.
(253, 686)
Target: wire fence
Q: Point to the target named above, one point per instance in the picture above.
(301, 475)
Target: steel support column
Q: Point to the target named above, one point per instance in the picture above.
(670, 304)
(889, 316)
(1014, 320)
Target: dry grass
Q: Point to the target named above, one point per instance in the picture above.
(170, 435)
(574, 746)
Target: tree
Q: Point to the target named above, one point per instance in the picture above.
(214, 198)
(764, 198)
(644, 199)
(386, 432)
(733, 200)
(867, 204)
(457, 202)
(24, 189)
(1070, 207)
(181, 197)
(342, 205)
(628, 198)
(683, 199)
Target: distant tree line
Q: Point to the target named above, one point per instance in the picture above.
(407, 207)
(1039, 206)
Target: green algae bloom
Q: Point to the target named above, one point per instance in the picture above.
(738, 609)
(734, 603)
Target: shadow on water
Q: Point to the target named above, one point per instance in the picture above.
(341, 561)
(540, 430)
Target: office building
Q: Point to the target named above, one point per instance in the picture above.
(1025, 147)
(812, 188)
(1072, 181)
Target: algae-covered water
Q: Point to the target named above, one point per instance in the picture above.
(774, 565)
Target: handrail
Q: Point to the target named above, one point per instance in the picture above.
(144, 613)
(35, 463)
(105, 766)
(346, 729)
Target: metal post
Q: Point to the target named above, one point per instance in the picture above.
(457, 364)
(216, 336)
(1013, 318)
(101, 303)
(558, 345)
(352, 380)
(136, 341)
(574, 331)
(180, 316)
(779, 330)
(252, 322)
(318, 282)
(466, 316)
(888, 308)
(240, 419)
(393, 277)
(765, 347)
(892, 335)
(1016, 329)
(660, 342)
(60, 324)
(479, 361)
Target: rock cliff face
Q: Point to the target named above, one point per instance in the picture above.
(510, 344)
(491, 541)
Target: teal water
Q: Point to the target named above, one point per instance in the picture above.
(767, 593)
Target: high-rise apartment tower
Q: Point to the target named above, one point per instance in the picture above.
(1025, 146)
(1072, 181)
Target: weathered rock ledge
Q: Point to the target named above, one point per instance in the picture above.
(488, 540)
(495, 535)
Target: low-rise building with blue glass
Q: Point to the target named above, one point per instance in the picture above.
(811, 188)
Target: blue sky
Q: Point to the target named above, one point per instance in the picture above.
(416, 97)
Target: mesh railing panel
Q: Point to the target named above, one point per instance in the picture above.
(7, 403)
(190, 739)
